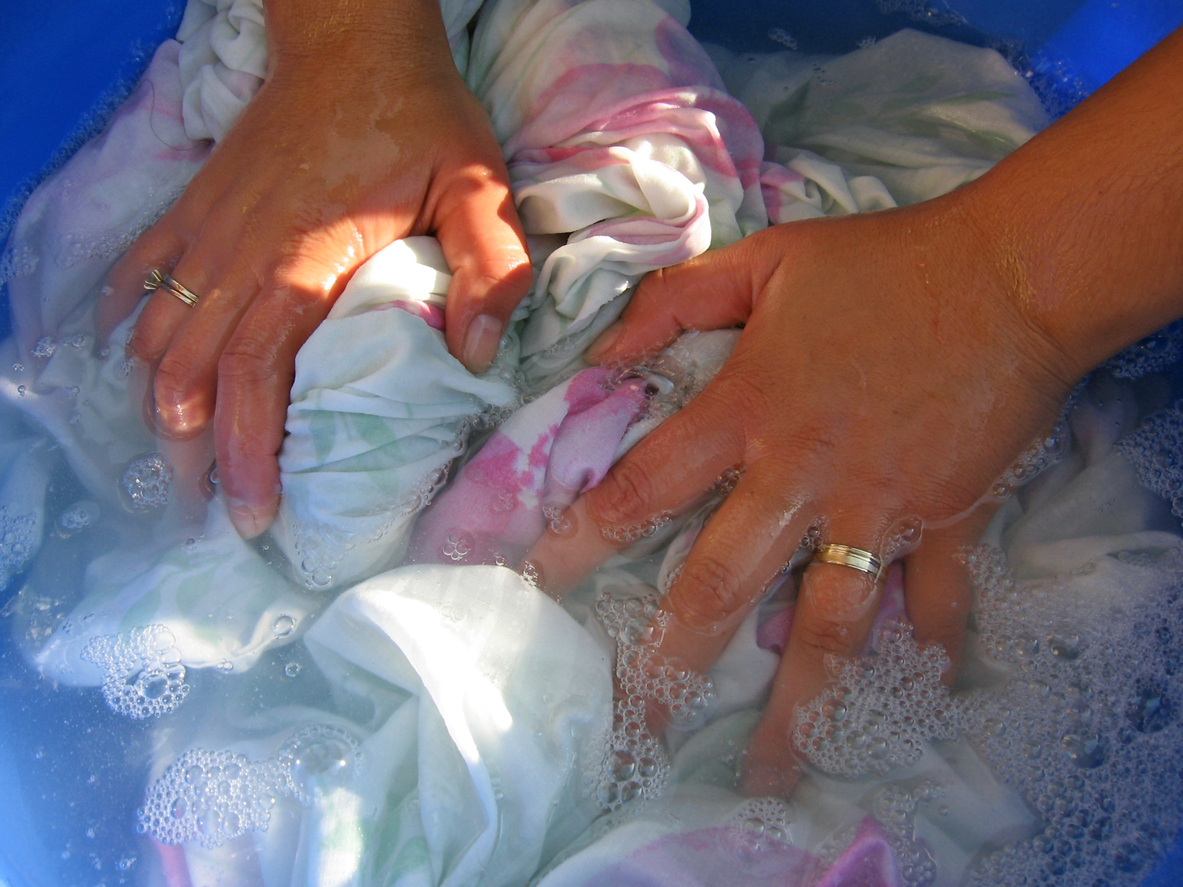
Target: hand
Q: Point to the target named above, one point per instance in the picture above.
(884, 380)
(363, 133)
(891, 367)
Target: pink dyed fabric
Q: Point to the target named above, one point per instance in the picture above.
(618, 137)
(532, 468)
(729, 856)
(868, 862)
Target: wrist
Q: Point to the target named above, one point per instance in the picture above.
(1084, 225)
(391, 34)
(986, 297)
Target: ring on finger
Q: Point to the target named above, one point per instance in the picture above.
(848, 556)
(156, 280)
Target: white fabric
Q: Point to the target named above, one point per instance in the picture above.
(217, 597)
(223, 62)
(378, 409)
(920, 113)
(477, 709)
(481, 711)
(639, 160)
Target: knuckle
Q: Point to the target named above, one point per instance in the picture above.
(819, 443)
(709, 591)
(623, 496)
(824, 636)
(174, 381)
(248, 358)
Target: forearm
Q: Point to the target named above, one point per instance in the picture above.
(1085, 222)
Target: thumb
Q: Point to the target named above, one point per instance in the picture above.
(484, 245)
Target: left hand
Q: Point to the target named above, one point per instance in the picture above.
(885, 375)
(363, 133)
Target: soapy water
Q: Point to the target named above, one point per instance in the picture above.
(211, 797)
(1083, 733)
(1087, 730)
(1080, 728)
(882, 712)
(637, 765)
(142, 672)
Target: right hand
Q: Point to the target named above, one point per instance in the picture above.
(884, 379)
(363, 133)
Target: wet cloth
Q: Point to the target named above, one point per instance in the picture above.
(477, 698)
(626, 145)
(918, 113)
(371, 426)
(530, 470)
(378, 410)
(448, 724)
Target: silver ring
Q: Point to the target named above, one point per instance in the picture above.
(156, 281)
(855, 558)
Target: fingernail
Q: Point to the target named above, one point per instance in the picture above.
(481, 342)
(604, 343)
(247, 519)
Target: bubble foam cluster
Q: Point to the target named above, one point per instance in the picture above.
(1037, 458)
(17, 261)
(1150, 355)
(212, 797)
(44, 347)
(883, 711)
(18, 542)
(147, 481)
(142, 672)
(320, 549)
(762, 818)
(1086, 728)
(636, 765)
(627, 534)
(784, 38)
(1154, 449)
(79, 516)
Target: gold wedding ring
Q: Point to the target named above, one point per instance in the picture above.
(855, 558)
(156, 281)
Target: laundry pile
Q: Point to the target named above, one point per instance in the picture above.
(369, 694)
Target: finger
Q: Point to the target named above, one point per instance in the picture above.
(937, 591)
(255, 374)
(664, 475)
(835, 609)
(159, 248)
(190, 461)
(743, 547)
(709, 292)
(204, 269)
(741, 550)
(483, 243)
(185, 385)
